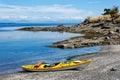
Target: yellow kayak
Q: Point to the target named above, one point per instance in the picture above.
(58, 66)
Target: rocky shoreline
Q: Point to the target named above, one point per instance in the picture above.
(96, 33)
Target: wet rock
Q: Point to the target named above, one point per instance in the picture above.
(60, 25)
(113, 69)
(111, 32)
(97, 24)
(118, 30)
(107, 38)
(64, 46)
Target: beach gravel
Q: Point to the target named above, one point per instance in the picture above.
(105, 65)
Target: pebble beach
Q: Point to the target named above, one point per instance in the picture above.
(105, 65)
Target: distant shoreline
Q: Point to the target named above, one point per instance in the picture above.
(33, 24)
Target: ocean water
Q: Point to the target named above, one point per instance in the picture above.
(18, 48)
(33, 24)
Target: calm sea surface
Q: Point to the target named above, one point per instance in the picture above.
(23, 47)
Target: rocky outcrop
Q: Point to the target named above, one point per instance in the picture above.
(58, 28)
(96, 33)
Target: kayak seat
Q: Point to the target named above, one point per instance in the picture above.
(47, 65)
(54, 64)
(38, 64)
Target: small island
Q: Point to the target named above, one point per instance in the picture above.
(99, 31)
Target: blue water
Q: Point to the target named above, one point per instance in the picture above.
(23, 47)
(33, 24)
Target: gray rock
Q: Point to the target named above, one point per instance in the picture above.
(113, 69)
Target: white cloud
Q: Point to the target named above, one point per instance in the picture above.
(53, 12)
(13, 17)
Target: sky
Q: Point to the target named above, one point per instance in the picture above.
(44, 11)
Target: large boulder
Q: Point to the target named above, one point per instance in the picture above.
(65, 46)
